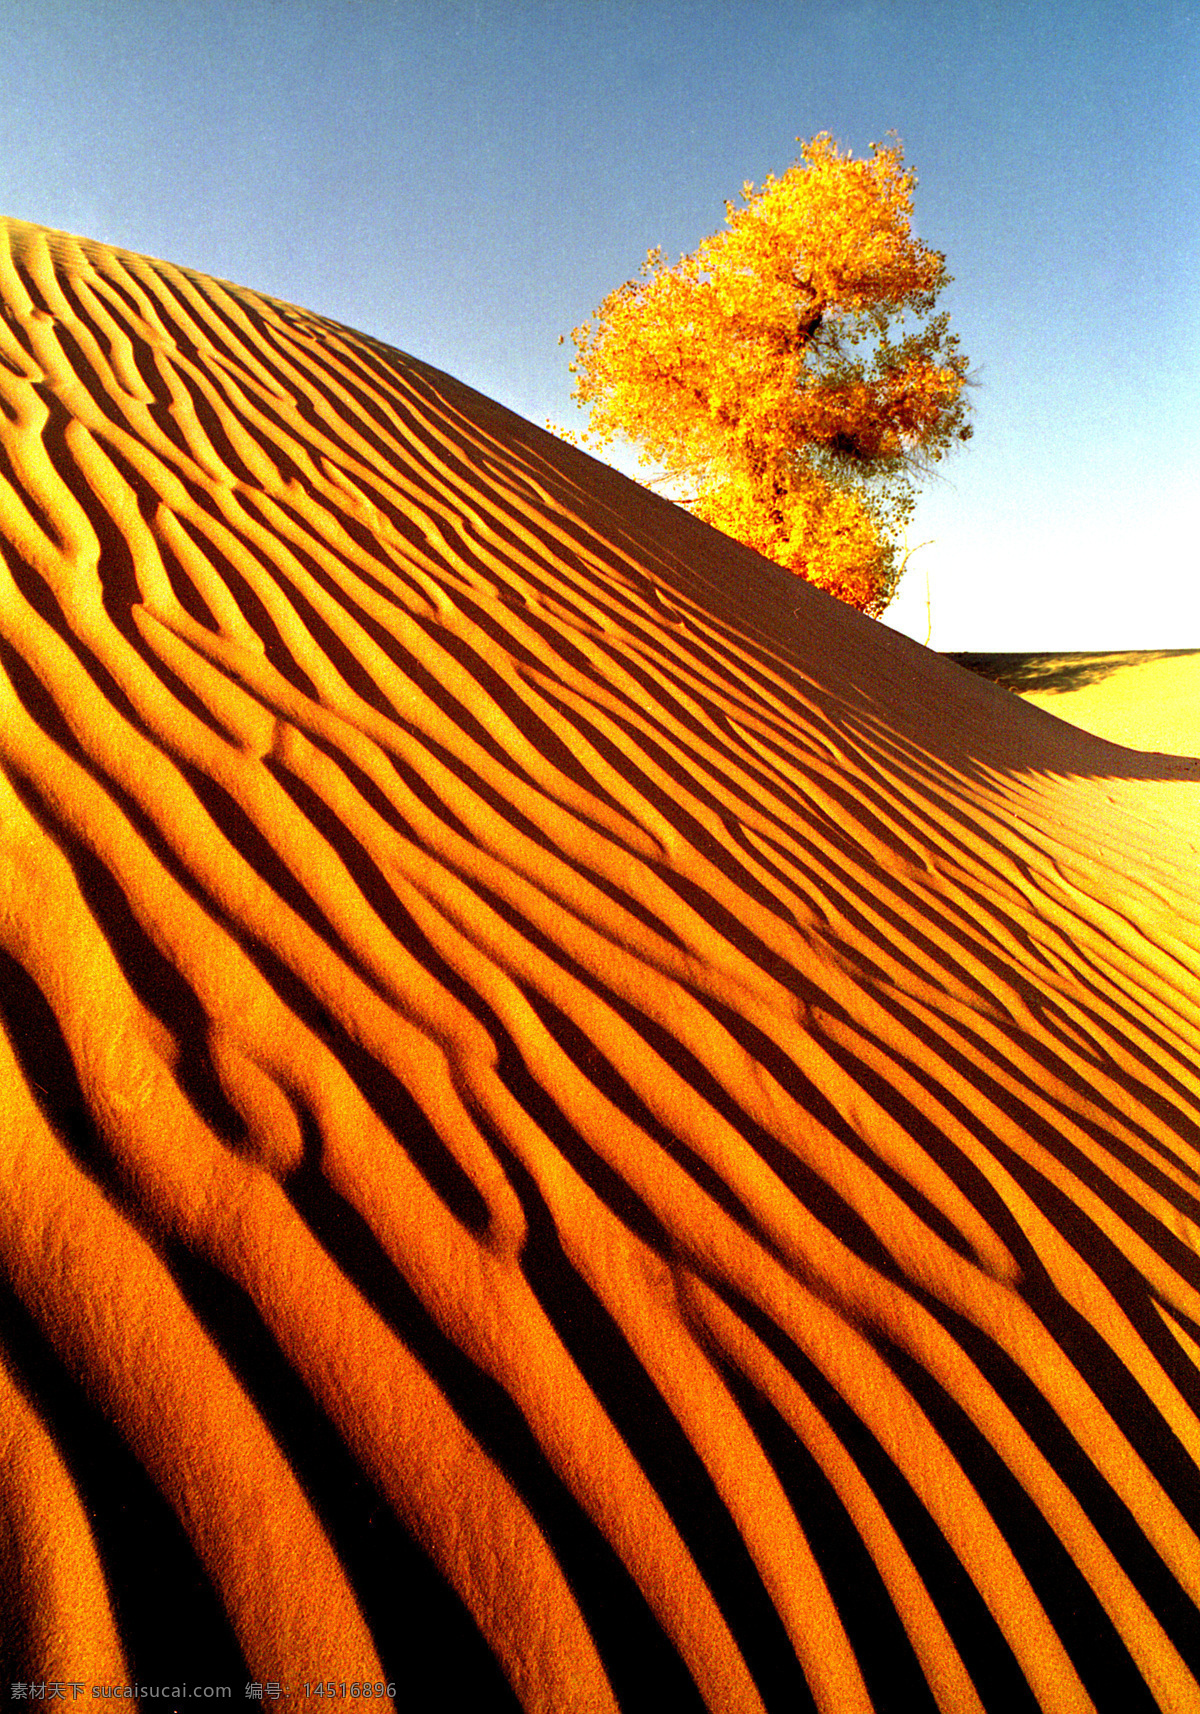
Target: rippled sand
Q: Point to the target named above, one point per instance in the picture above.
(580, 1126)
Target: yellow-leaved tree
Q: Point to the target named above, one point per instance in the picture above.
(772, 371)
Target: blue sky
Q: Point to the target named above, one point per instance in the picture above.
(468, 180)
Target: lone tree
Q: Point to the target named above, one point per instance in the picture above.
(771, 372)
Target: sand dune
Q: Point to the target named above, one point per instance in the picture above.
(1145, 699)
(1151, 704)
(582, 1127)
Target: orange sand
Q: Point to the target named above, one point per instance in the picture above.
(580, 1126)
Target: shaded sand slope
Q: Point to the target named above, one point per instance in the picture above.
(581, 1126)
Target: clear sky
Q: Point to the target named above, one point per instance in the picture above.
(467, 179)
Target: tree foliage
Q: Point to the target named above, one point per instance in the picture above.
(771, 370)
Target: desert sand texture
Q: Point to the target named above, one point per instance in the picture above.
(580, 1126)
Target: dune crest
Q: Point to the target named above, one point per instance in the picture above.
(583, 1128)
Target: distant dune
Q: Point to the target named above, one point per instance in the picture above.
(580, 1126)
(1148, 699)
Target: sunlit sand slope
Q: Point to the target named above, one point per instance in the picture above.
(1151, 704)
(580, 1126)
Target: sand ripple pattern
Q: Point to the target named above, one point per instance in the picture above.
(580, 1128)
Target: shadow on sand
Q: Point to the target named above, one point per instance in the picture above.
(1058, 672)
